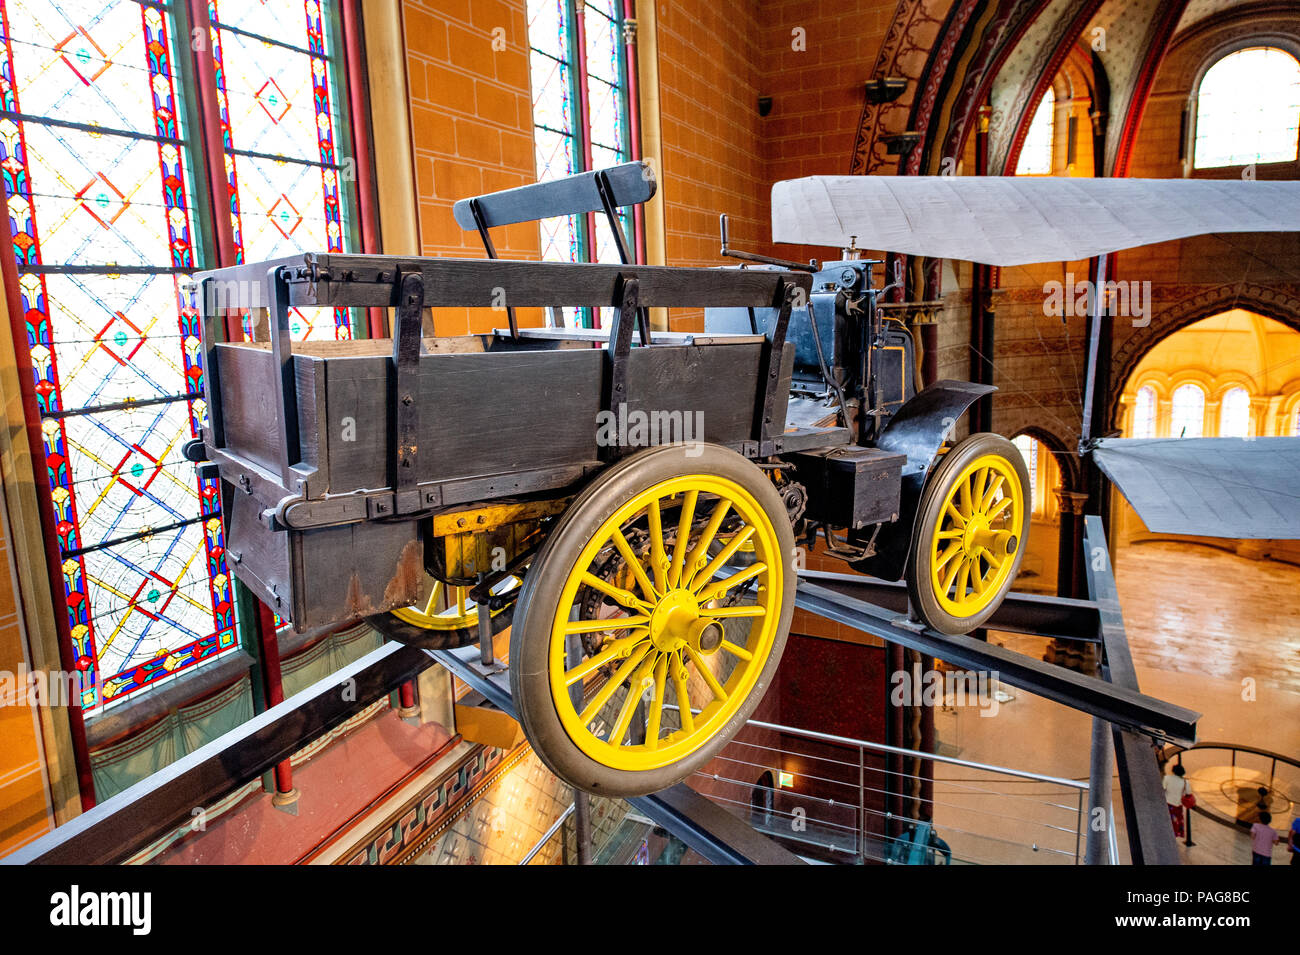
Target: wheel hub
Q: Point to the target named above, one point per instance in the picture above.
(672, 620)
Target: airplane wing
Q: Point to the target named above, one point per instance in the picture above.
(1015, 220)
(1209, 487)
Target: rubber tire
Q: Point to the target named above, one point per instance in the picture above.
(395, 628)
(936, 489)
(545, 580)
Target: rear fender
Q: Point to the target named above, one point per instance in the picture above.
(918, 429)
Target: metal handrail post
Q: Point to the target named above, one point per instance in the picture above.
(862, 805)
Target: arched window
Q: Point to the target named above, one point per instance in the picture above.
(1247, 109)
(1036, 155)
(1144, 413)
(1295, 423)
(1028, 448)
(109, 209)
(1188, 416)
(1234, 414)
(579, 127)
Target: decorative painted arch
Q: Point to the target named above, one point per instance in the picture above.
(1067, 459)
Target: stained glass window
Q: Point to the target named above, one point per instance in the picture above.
(98, 154)
(1036, 154)
(280, 115)
(1187, 419)
(1248, 109)
(578, 125)
(1144, 413)
(1234, 414)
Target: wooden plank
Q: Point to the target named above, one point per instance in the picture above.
(494, 283)
(485, 414)
(246, 380)
(717, 384)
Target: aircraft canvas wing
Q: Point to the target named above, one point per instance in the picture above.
(1209, 487)
(1016, 220)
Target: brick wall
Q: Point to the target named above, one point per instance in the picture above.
(719, 154)
(471, 122)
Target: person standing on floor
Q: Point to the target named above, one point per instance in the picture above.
(1293, 840)
(1176, 789)
(1262, 837)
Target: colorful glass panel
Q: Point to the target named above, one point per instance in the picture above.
(98, 188)
(277, 91)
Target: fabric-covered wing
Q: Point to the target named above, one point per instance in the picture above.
(1015, 220)
(1209, 487)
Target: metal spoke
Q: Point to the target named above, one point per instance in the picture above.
(658, 559)
(999, 507)
(620, 596)
(707, 675)
(683, 539)
(613, 683)
(656, 714)
(682, 691)
(625, 551)
(607, 623)
(719, 587)
(952, 551)
(744, 610)
(615, 649)
(700, 552)
(628, 709)
(993, 489)
(946, 584)
(726, 553)
(736, 651)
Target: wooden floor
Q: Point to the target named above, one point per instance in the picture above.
(1196, 609)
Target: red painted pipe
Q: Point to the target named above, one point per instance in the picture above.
(205, 69)
(634, 127)
(367, 203)
(584, 128)
(272, 686)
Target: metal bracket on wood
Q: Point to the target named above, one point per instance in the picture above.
(406, 392)
(766, 427)
(286, 387)
(606, 193)
(481, 224)
(626, 297)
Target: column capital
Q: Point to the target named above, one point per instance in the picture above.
(1071, 502)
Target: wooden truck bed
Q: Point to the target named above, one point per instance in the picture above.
(332, 453)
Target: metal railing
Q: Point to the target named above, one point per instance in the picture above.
(1226, 779)
(828, 797)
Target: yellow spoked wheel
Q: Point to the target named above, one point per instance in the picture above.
(646, 634)
(970, 536)
(447, 619)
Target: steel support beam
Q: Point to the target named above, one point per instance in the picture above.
(1150, 836)
(1116, 704)
(119, 827)
(1038, 614)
